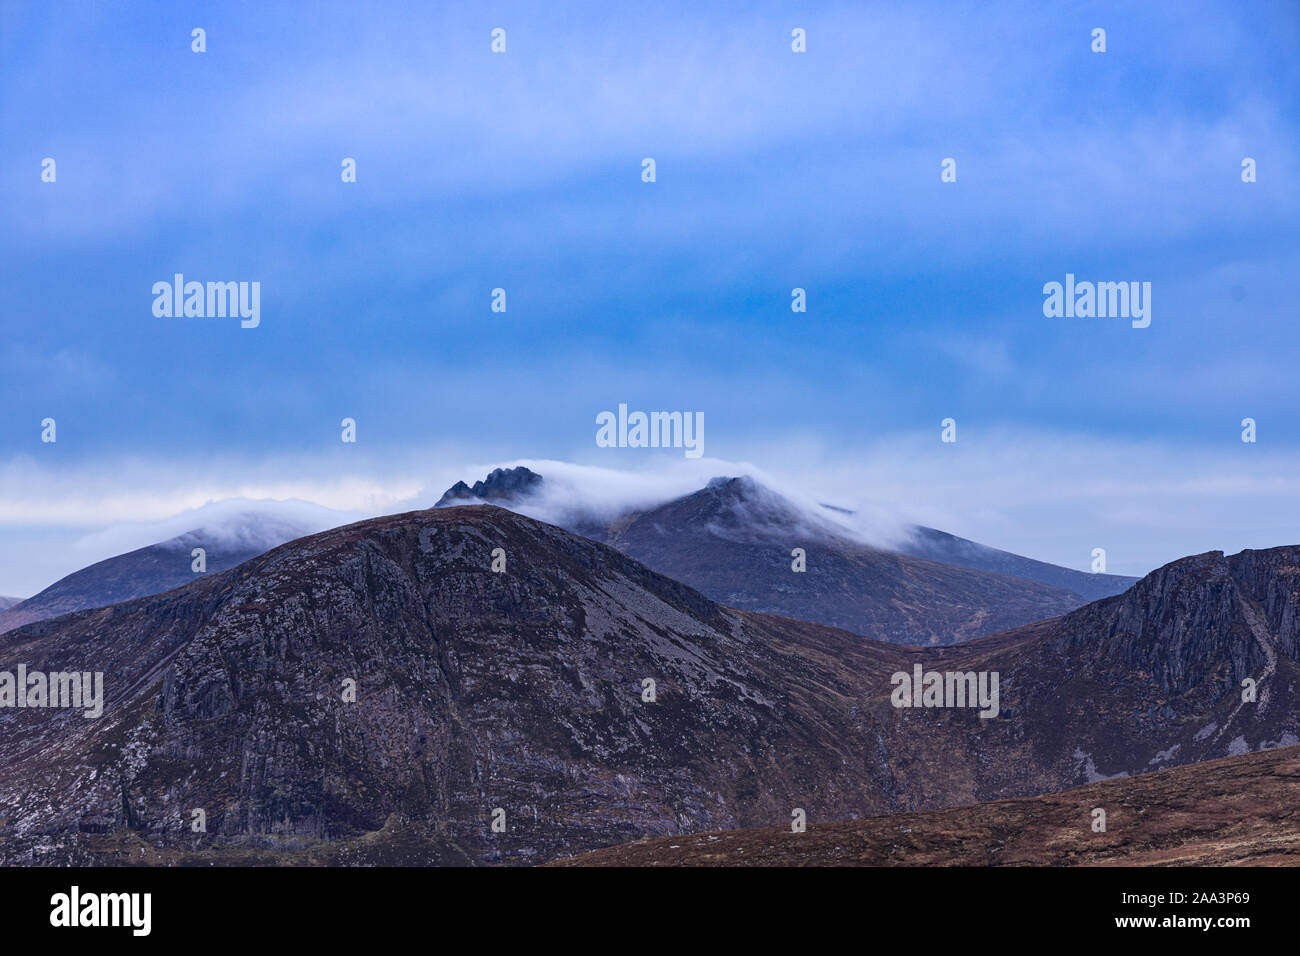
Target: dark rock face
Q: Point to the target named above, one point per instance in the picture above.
(503, 486)
(150, 570)
(733, 541)
(523, 691)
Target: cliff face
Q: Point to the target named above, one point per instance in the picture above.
(524, 691)
(1154, 677)
(1202, 618)
(1201, 626)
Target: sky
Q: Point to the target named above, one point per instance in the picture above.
(774, 170)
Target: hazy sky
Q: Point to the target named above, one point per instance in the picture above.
(775, 170)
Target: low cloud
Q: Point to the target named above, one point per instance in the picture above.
(1048, 495)
(574, 494)
(236, 524)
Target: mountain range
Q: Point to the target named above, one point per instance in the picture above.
(733, 540)
(519, 697)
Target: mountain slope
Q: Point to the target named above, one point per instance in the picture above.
(733, 541)
(476, 690)
(950, 549)
(1232, 811)
(228, 537)
(523, 691)
(149, 570)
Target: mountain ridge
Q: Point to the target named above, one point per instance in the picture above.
(916, 616)
(734, 540)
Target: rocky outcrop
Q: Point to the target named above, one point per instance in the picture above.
(502, 486)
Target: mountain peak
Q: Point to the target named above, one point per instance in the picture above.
(742, 486)
(503, 484)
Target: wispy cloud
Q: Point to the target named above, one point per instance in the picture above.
(1050, 495)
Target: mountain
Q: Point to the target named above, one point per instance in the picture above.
(8, 602)
(521, 696)
(476, 690)
(1234, 811)
(149, 570)
(153, 569)
(733, 541)
(950, 549)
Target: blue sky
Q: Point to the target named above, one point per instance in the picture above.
(774, 170)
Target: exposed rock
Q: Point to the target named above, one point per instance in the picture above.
(503, 486)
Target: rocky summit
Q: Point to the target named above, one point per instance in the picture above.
(378, 693)
(502, 486)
